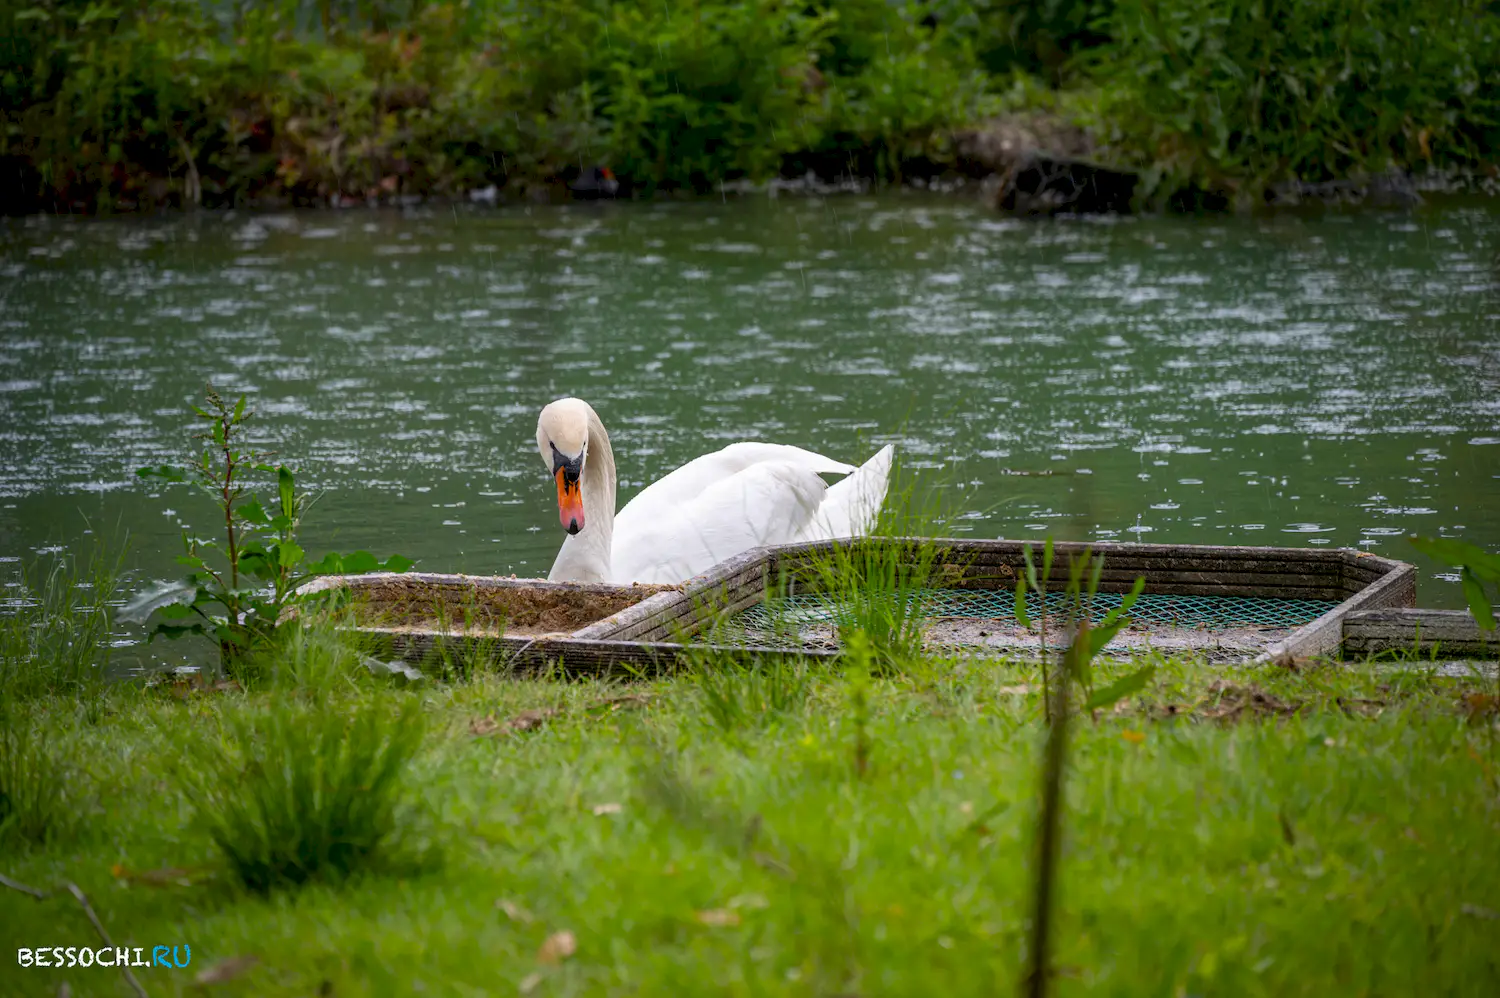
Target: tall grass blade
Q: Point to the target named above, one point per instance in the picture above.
(34, 779)
(55, 629)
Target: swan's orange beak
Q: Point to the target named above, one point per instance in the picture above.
(569, 502)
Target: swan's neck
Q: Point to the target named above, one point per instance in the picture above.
(585, 556)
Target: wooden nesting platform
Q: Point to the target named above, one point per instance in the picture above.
(1224, 603)
(1227, 603)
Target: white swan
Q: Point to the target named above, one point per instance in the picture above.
(710, 509)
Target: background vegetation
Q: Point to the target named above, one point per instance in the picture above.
(108, 106)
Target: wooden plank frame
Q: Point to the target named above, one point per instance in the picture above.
(1449, 633)
(653, 635)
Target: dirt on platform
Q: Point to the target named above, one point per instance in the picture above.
(479, 605)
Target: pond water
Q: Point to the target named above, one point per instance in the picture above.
(1319, 379)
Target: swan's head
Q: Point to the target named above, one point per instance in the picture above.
(562, 438)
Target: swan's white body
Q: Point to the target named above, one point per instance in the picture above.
(710, 509)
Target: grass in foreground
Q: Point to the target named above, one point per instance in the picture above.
(54, 643)
(1328, 831)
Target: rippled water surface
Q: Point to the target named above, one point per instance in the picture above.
(1329, 379)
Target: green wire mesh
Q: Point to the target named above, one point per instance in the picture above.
(1158, 610)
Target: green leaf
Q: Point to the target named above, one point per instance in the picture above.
(1076, 656)
(289, 554)
(330, 564)
(396, 563)
(1030, 568)
(1095, 576)
(253, 512)
(280, 523)
(989, 814)
(97, 12)
(161, 594)
(1120, 689)
(360, 563)
(258, 563)
(1126, 602)
(1083, 664)
(176, 611)
(1076, 568)
(173, 632)
(1022, 617)
(1485, 566)
(1479, 603)
(165, 472)
(239, 409)
(1047, 553)
(1103, 635)
(288, 489)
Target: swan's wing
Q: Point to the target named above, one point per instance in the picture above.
(671, 539)
(697, 476)
(852, 505)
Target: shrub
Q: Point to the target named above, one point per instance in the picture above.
(244, 600)
(187, 103)
(921, 83)
(1234, 95)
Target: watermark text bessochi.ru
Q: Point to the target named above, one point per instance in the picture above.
(105, 956)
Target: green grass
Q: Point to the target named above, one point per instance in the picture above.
(54, 626)
(54, 650)
(35, 778)
(735, 694)
(303, 792)
(1328, 831)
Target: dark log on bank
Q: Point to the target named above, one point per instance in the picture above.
(1049, 185)
(1037, 165)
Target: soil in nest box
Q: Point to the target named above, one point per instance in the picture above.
(515, 607)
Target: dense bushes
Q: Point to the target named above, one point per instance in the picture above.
(1233, 95)
(105, 106)
(182, 101)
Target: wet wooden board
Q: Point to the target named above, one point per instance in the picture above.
(1285, 573)
(1325, 636)
(566, 656)
(1422, 632)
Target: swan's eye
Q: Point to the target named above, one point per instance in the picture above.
(570, 468)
